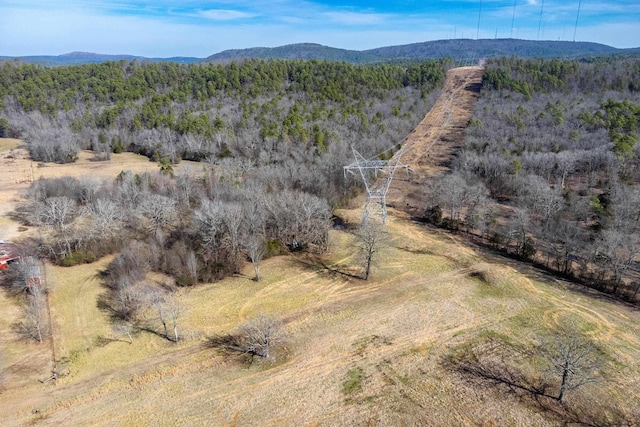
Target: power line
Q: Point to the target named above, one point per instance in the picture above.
(540, 20)
(513, 18)
(478, 30)
(577, 16)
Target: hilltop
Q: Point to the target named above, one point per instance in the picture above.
(456, 49)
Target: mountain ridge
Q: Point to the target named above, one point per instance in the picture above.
(457, 49)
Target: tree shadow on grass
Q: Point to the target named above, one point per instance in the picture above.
(417, 251)
(494, 369)
(25, 330)
(144, 328)
(230, 346)
(485, 367)
(318, 265)
(102, 341)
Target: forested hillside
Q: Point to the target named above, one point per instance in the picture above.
(458, 49)
(273, 138)
(549, 170)
(162, 307)
(276, 113)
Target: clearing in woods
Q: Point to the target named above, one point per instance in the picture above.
(429, 148)
(378, 352)
(18, 171)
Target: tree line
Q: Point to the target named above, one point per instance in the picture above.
(272, 137)
(211, 111)
(549, 169)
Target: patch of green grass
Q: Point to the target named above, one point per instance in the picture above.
(491, 290)
(491, 334)
(404, 379)
(361, 344)
(353, 383)
(7, 144)
(423, 349)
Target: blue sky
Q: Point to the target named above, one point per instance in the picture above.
(161, 28)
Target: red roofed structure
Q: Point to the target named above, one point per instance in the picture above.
(8, 254)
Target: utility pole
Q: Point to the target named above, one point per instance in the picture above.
(376, 205)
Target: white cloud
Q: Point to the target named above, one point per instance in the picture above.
(29, 29)
(353, 18)
(225, 14)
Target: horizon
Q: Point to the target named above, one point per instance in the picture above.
(197, 28)
(121, 54)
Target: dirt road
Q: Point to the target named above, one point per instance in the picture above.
(432, 145)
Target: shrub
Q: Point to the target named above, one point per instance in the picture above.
(77, 257)
(273, 248)
(353, 383)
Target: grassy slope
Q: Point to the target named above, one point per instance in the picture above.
(424, 300)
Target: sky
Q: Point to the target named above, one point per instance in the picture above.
(161, 28)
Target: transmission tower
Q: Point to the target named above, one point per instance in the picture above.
(377, 187)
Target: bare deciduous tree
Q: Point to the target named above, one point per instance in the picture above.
(126, 298)
(538, 197)
(19, 276)
(191, 266)
(57, 211)
(255, 250)
(518, 228)
(34, 324)
(454, 194)
(174, 309)
(573, 359)
(156, 298)
(233, 221)
(130, 190)
(125, 328)
(106, 214)
(261, 335)
(619, 250)
(209, 224)
(298, 216)
(49, 141)
(160, 212)
(369, 241)
(168, 308)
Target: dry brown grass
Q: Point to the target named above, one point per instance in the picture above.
(18, 171)
(428, 296)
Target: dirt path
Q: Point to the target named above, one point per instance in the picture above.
(430, 148)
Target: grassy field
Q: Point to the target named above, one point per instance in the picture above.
(441, 335)
(380, 352)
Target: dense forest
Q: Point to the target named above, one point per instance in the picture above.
(272, 138)
(276, 114)
(459, 49)
(550, 169)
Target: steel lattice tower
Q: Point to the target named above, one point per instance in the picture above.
(376, 205)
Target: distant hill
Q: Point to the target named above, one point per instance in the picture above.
(294, 51)
(465, 48)
(457, 49)
(75, 58)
